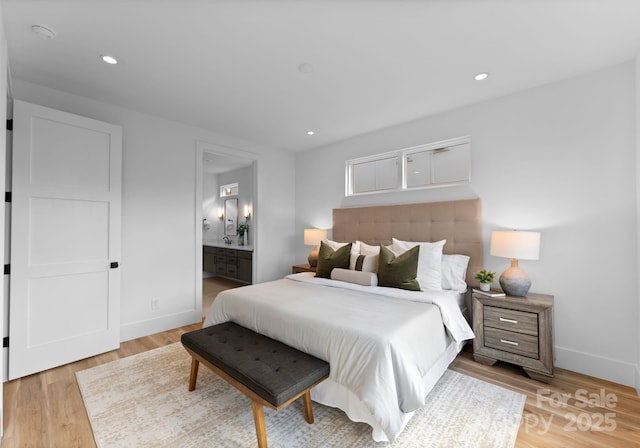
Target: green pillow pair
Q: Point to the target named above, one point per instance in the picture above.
(395, 272)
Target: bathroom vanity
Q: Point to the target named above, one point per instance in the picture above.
(228, 260)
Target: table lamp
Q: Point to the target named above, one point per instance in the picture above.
(312, 237)
(517, 245)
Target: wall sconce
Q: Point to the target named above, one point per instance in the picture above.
(220, 213)
(517, 245)
(312, 237)
(247, 213)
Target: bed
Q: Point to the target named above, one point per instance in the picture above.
(387, 347)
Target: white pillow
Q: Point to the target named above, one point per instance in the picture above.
(355, 250)
(369, 256)
(367, 249)
(351, 276)
(429, 261)
(454, 272)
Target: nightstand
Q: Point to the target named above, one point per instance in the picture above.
(518, 330)
(302, 268)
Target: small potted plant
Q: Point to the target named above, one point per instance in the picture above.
(243, 228)
(485, 278)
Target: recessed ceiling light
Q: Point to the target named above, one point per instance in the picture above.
(43, 32)
(310, 133)
(109, 59)
(481, 76)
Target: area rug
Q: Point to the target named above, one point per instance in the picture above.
(142, 401)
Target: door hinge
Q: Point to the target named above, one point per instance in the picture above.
(10, 124)
(114, 264)
(7, 196)
(7, 269)
(5, 342)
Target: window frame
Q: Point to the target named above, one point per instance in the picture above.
(401, 155)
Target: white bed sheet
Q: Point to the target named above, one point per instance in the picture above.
(384, 345)
(336, 395)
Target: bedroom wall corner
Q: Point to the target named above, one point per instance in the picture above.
(275, 216)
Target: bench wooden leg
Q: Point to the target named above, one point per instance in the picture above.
(261, 429)
(194, 374)
(308, 410)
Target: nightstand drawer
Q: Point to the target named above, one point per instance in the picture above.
(511, 320)
(508, 341)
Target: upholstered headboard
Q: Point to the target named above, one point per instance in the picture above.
(458, 222)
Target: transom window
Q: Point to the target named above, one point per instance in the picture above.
(229, 190)
(438, 164)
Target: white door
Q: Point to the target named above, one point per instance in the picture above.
(65, 239)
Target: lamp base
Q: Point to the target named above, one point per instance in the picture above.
(313, 257)
(514, 281)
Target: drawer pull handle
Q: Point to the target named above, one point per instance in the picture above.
(504, 341)
(511, 321)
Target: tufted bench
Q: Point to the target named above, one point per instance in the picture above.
(269, 372)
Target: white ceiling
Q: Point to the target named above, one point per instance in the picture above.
(231, 66)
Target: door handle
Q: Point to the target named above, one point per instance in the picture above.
(114, 265)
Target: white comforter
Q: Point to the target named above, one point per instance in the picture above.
(379, 341)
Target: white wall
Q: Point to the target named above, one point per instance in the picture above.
(559, 159)
(158, 209)
(637, 81)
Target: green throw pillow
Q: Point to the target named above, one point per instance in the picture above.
(329, 259)
(399, 272)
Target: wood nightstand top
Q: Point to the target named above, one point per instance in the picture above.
(297, 268)
(532, 302)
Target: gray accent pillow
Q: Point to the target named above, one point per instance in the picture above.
(401, 271)
(329, 259)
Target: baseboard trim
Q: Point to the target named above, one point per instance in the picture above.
(139, 329)
(609, 369)
(638, 380)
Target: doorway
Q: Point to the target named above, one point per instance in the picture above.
(217, 168)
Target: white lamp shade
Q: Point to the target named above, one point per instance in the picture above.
(515, 244)
(312, 237)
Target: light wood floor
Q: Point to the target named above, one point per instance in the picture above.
(46, 409)
(574, 410)
(211, 286)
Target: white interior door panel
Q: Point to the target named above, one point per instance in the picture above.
(65, 240)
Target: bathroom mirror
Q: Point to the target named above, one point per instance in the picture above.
(231, 217)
